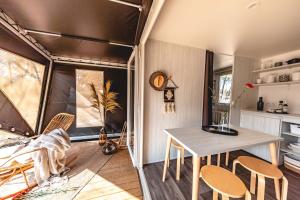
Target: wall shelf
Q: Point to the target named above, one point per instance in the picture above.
(277, 68)
(278, 83)
(289, 151)
(292, 134)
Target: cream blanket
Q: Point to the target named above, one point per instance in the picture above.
(51, 160)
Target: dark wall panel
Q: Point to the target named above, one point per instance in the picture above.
(62, 97)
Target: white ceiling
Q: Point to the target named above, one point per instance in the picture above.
(228, 26)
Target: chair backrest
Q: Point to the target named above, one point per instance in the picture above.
(61, 120)
(122, 141)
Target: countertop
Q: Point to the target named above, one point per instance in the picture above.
(284, 117)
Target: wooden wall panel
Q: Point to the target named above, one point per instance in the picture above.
(186, 65)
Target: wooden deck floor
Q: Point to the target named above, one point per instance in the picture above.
(117, 179)
(173, 189)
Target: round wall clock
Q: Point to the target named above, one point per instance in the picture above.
(158, 80)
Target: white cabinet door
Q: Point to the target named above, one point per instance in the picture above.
(263, 124)
(272, 127)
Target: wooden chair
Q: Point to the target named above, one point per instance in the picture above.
(262, 170)
(122, 141)
(61, 120)
(180, 159)
(224, 182)
(10, 167)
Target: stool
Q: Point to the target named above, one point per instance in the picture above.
(218, 159)
(180, 159)
(263, 170)
(224, 182)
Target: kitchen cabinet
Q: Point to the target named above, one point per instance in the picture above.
(263, 122)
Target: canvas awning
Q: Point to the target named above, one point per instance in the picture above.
(85, 29)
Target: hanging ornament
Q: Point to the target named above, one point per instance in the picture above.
(169, 96)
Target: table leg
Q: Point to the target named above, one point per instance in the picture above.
(196, 168)
(182, 156)
(166, 158)
(209, 160)
(273, 152)
(227, 158)
(178, 165)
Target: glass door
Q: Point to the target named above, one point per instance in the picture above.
(130, 106)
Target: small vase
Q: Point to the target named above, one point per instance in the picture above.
(102, 137)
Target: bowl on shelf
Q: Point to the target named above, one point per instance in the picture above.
(295, 147)
(278, 64)
(295, 129)
(293, 61)
(292, 159)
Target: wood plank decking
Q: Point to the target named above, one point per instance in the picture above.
(117, 179)
(172, 189)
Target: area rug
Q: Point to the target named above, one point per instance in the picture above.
(89, 161)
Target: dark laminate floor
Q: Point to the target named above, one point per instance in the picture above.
(173, 189)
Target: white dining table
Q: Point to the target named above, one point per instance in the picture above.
(201, 143)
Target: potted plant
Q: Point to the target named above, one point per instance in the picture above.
(106, 99)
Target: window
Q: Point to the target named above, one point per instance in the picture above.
(21, 82)
(225, 83)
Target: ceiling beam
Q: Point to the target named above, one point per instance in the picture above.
(128, 4)
(76, 37)
(11, 25)
(87, 62)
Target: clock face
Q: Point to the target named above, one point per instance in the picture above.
(158, 80)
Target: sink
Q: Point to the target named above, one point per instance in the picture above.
(220, 130)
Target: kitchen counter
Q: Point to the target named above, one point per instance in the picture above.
(294, 118)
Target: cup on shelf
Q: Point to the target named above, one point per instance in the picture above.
(268, 64)
(296, 76)
(259, 81)
(270, 78)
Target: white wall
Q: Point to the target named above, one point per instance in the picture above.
(272, 94)
(186, 65)
(242, 74)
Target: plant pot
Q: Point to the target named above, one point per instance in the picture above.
(110, 148)
(102, 137)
